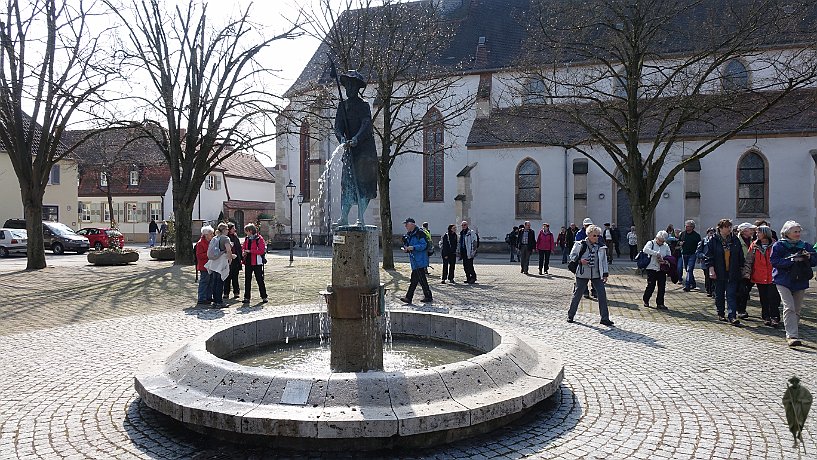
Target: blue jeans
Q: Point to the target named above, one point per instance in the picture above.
(730, 290)
(217, 288)
(581, 287)
(689, 263)
(565, 253)
(205, 287)
(152, 240)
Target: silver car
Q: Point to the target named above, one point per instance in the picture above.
(13, 241)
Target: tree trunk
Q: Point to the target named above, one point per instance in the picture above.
(385, 215)
(34, 228)
(114, 224)
(644, 223)
(184, 226)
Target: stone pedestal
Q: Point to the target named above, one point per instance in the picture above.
(355, 301)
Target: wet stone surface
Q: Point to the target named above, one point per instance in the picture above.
(660, 385)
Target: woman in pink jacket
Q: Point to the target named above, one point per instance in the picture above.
(545, 244)
(254, 251)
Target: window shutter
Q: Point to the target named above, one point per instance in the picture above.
(218, 182)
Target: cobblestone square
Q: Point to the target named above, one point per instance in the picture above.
(660, 384)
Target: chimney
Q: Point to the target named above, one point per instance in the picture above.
(481, 57)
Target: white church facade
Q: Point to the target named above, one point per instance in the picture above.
(468, 174)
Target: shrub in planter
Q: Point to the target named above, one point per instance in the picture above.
(163, 253)
(113, 257)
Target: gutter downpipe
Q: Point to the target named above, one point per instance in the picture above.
(566, 175)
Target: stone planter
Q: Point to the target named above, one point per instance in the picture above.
(163, 253)
(112, 258)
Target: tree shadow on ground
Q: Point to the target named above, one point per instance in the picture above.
(160, 436)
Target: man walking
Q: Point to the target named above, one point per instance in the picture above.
(415, 244)
(469, 241)
(616, 239)
(608, 241)
(527, 241)
(511, 239)
(153, 229)
(570, 238)
(689, 240)
(163, 233)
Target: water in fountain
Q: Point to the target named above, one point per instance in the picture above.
(319, 207)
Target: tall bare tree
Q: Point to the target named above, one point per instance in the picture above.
(635, 78)
(53, 67)
(399, 46)
(205, 87)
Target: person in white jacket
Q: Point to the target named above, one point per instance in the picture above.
(657, 249)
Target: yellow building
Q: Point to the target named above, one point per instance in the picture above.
(59, 201)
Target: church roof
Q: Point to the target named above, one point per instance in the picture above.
(492, 35)
(550, 125)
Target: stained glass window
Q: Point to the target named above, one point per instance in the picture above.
(528, 191)
(433, 158)
(752, 185)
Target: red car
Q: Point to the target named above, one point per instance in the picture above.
(101, 238)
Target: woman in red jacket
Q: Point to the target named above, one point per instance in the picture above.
(545, 244)
(205, 285)
(254, 252)
(758, 270)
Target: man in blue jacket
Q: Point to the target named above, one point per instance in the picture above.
(414, 244)
(724, 262)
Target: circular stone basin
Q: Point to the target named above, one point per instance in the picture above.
(325, 410)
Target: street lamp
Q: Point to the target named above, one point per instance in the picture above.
(300, 221)
(290, 195)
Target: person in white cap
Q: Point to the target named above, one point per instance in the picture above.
(582, 234)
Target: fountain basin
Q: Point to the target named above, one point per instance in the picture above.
(325, 410)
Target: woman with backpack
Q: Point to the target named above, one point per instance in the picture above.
(448, 246)
(219, 255)
(758, 269)
(792, 260)
(658, 250)
(590, 257)
(254, 252)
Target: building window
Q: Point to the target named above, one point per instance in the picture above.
(130, 212)
(85, 211)
(213, 182)
(51, 213)
(534, 92)
(528, 191)
(103, 179)
(54, 175)
(433, 156)
(735, 76)
(133, 179)
(155, 210)
(752, 185)
(304, 165)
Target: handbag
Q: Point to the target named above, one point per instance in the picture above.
(801, 271)
(642, 260)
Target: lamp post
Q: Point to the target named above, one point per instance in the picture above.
(290, 194)
(300, 221)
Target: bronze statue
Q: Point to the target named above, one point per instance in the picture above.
(797, 403)
(353, 129)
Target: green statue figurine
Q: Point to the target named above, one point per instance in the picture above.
(797, 403)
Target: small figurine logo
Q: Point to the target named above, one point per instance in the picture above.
(797, 403)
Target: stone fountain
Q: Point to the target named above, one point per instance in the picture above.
(353, 404)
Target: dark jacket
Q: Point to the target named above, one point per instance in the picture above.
(781, 266)
(449, 246)
(570, 237)
(153, 227)
(236, 244)
(715, 257)
(689, 242)
(531, 239)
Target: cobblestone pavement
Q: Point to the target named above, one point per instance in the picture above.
(673, 384)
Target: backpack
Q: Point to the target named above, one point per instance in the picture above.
(573, 265)
(429, 243)
(508, 238)
(215, 248)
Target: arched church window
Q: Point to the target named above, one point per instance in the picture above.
(304, 164)
(752, 185)
(735, 75)
(433, 156)
(528, 189)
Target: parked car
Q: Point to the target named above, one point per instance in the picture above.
(60, 238)
(12, 241)
(15, 224)
(100, 238)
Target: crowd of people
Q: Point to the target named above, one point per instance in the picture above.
(220, 256)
